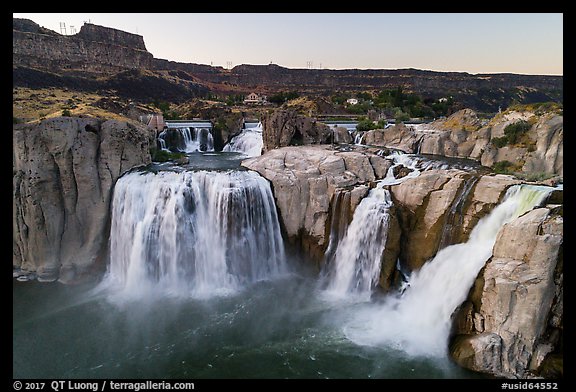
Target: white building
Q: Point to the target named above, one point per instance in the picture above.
(352, 101)
(254, 98)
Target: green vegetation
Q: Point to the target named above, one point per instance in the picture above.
(164, 156)
(514, 134)
(503, 167)
(395, 103)
(166, 112)
(515, 169)
(365, 124)
(539, 108)
(66, 113)
(234, 99)
(282, 97)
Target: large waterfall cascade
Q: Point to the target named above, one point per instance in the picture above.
(416, 320)
(355, 267)
(419, 321)
(353, 260)
(198, 234)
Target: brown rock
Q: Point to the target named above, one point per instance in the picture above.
(518, 289)
(64, 172)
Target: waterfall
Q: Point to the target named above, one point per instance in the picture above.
(419, 322)
(359, 137)
(162, 144)
(194, 234)
(352, 260)
(189, 140)
(455, 216)
(355, 267)
(248, 142)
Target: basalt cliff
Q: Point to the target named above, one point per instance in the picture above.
(119, 60)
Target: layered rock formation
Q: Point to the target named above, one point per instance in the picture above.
(512, 321)
(426, 202)
(463, 135)
(102, 50)
(306, 180)
(95, 49)
(64, 171)
(286, 127)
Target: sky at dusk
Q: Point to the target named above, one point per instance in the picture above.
(526, 43)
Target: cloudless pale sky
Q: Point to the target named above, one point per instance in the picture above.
(526, 43)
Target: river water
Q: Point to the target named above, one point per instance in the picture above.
(261, 313)
(273, 329)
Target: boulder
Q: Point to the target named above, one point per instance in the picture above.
(64, 170)
(514, 311)
(341, 135)
(286, 127)
(398, 136)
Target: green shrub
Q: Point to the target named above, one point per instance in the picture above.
(365, 125)
(66, 113)
(515, 131)
(500, 141)
(503, 167)
(535, 176)
(165, 156)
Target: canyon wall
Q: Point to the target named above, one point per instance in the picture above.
(94, 49)
(64, 171)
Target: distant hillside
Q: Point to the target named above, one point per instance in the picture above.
(95, 57)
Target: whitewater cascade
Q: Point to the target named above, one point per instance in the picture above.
(196, 234)
(194, 139)
(248, 142)
(355, 267)
(352, 260)
(419, 321)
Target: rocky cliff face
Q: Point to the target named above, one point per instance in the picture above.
(95, 49)
(286, 127)
(425, 204)
(306, 183)
(64, 170)
(512, 322)
(309, 181)
(103, 51)
(482, 92)
(540, 151)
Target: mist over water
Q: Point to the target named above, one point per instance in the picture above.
(193, 233)
(418, 322)
(199, 286)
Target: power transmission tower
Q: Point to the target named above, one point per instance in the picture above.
(229, 64)
(63, 28)
(72, 30)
